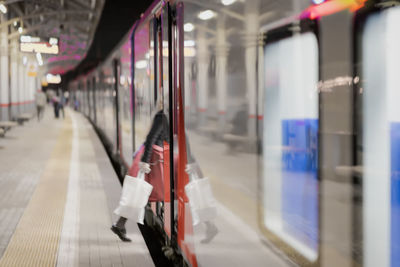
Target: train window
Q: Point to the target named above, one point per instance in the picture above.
(290, 142)
(143, 82)
(378, 138)
(125, 102)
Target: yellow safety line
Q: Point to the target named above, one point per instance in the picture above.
(36, 238)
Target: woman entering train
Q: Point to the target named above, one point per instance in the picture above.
(149, 160)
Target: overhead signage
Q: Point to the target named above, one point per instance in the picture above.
(43, 48)
(29, 39)
(32, 44)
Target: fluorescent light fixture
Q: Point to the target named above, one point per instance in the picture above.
(53, 41)
(141, 64)
(188, 27)
(206, 14)
(29, 39)
(227, 2)
(189, 43)
(3, 8)
(24, 60)
(55, 79)
(39, 58)
(20, 29)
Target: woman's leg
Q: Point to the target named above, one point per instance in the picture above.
(119, 229)
(121, 222)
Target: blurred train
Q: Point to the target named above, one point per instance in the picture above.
(291, 110)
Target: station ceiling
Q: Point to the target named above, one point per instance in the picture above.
(117, 18)
(87, 30)
(73, 22)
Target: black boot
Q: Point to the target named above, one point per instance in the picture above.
(121, 233)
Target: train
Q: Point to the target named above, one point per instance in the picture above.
(290, 109)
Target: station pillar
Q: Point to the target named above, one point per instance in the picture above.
(251, 41)
(221, 72)
(31, 93)
(21, 85)
(4, 90)
(14, 79)
(203, 61)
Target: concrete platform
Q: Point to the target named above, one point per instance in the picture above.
(57, 193)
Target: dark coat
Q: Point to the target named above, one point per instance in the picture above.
(159, 133)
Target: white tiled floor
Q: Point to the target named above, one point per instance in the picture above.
(87, 239)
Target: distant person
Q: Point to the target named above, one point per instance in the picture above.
(50, 95)
(40, 100)
(239, 121)
(76, 104)
(62, 103)
(56, 105)
(66, 96)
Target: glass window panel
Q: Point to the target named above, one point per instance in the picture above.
(380, 137)
(290, 142)
(125, 102)
(143, 79)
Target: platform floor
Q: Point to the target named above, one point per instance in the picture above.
(57, 194)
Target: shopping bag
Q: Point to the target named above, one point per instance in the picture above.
(201, 200)
(134, 197)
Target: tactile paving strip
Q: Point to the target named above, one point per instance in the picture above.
(36, 239)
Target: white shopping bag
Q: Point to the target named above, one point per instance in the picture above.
(201, 200)
(134, 197)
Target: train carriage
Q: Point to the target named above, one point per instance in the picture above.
(281, 103)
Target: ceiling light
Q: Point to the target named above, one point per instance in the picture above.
(206, 14)
(3, 8)
(317, 2)
(227, 2)
(188, 27)
(188, 43)
(20, 29)
(141, 64)
(55, 79)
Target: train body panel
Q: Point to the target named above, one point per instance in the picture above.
(268, 99)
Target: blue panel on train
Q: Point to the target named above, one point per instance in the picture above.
(299, 180)
(395, 193)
